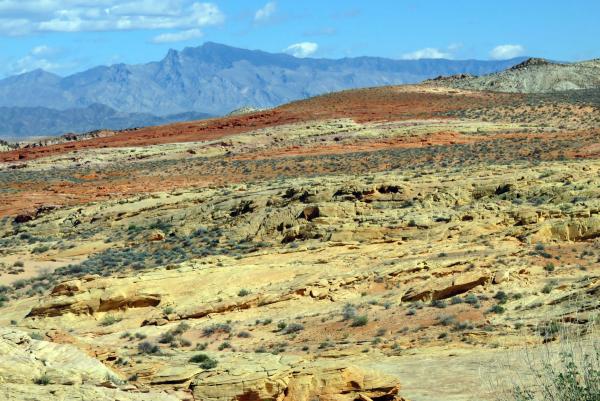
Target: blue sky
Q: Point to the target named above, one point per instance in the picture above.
(65, 36)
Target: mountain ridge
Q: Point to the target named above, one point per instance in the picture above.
(27, 122)
(216, 79)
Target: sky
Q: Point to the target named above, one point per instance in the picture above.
(66, 36)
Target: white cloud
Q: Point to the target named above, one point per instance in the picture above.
(504, 52)
(38, 57)
(266, 12)
(303, 49)
(177, 36)
(21, 17)
(428, 52)
(42, 50)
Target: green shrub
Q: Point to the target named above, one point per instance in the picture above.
(216, 328)
(359, 321)
(109, 320)
(146, 347)
(223, 345)
(574, 377)
(472, 299)
(204, 361)
(501, 297)
(349, 312)
(42, 380)
(439, 303)
(166, 338)
(497, 309)
(293, 328)
(40, 249)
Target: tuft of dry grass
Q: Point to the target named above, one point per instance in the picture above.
(566, 369)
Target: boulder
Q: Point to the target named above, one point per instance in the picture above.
(446, 287)
(88, 298)
(271, 377)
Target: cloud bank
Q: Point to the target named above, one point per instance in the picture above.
(22, 17)
(428, 52)
(302, 49)
(504, 52)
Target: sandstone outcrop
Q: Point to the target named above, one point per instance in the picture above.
(271, 377)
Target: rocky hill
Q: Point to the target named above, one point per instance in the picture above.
(535, 75)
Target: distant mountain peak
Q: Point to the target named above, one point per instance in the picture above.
(38, 73)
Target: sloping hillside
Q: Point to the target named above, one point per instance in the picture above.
(535, 76)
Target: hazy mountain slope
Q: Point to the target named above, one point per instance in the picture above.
(24, 122)
(216, 79)
(537, 76)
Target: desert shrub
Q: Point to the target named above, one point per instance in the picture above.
(497, 309)
(293, 328)
(243, 292)
(224, 345)
(216, 328)
(204, 361)
(40, 249)
(466, 325)
(166, 338)
(501, 297)
(42, 380)
(146, 347)
(36, 336)
(349, 312)
(361, 320)
(180, 329)
(109, 320)
(447, 320)
(439, 303)
(571, 373)
(18, 284)
(472, 299)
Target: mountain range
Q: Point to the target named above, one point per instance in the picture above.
(212, 79)
(28, 122)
